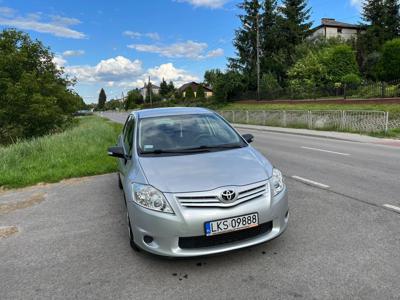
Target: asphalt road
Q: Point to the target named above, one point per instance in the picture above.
(342, 242)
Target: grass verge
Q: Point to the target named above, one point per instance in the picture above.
(79, 151)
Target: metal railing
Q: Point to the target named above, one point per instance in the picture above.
(364, 90)
(336, 120)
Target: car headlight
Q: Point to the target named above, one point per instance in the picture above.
(277, 182)
(151, 198)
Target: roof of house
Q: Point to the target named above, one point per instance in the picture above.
(328, 22)
(194, 86)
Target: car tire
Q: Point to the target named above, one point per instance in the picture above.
(120, 183)
(130, 234)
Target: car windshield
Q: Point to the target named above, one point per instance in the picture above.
(186, 134)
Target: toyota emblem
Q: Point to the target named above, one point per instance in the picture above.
(228, 196)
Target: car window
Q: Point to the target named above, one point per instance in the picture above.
(128, 135)
(183, 132)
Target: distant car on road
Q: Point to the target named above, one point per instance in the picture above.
(194, 186)
(83, 113)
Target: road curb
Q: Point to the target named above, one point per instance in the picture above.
(259, 128)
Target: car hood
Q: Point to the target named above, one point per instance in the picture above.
(205, 171)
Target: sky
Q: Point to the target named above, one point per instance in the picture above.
(118, 44)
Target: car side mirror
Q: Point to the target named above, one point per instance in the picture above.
(116, 152)
(248, 137)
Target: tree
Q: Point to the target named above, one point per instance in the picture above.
(392, 19)
(102, 100)
(36, 98)
(113, 104)
(269, 86)
(390, 60)
(230, 85)
(212, 76)
(339, 61)
(372, 39)
(200, 92)
(323, 67)
(245, 42)
(271, 40)
(295, 25)
(307, 74)
(171, 88)
(133, 99)
(189, 93)
(164, 89)
(374, 12)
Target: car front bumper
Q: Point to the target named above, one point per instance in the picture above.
(167, 229)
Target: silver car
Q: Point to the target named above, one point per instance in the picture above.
(194, 186)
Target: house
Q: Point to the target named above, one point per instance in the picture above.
(144, 90)
(194, 85)
(330, 28)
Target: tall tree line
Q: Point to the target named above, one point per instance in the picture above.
(382, 23)
(281, 29)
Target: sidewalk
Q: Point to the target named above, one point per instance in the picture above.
(344, 136)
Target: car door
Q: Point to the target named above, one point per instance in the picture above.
(127, 141)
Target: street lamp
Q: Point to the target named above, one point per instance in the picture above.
(258, 54)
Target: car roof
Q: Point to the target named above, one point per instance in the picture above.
(170, 111)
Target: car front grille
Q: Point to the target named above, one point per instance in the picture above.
(210, 198)
(226, 238)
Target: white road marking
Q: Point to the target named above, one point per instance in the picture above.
(328, 151)
(305, 180)
(392, 207)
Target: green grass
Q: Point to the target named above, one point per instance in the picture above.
(78, 151)
(393, 109)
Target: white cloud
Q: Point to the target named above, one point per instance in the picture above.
(59, 61)
(206, 3)
(357, 4)
(55, 25)
(70, 53)
(188, 49)
(169, 72)
(135, 35)
(215, 53)
(110, 70)
(123, 73)
(6, 11)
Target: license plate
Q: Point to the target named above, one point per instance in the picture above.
(231, 224)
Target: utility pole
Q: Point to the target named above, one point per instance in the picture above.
(150, 91)
(258, 58)
(123, 100)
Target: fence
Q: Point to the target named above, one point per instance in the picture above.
(365, 90)
(338, 120)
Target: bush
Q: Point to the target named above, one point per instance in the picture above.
(269, 86)
(200, 92)
(189, 93)
(339, 61)
(389, 66)
(351, 79)
(228, 86)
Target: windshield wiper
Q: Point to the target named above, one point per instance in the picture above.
(226, 146)
(177, 151)
(203, 148)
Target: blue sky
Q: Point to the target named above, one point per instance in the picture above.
(118, 44)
